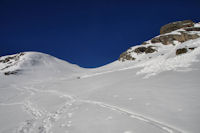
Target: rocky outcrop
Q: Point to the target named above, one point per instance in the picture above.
(10, 58)
(11, 72)
(125, 56)
(192, 48)
(146, 50)
(185, 30)
(181, 51)
(10, 61)
(181, 36)
(169, 39)
(140, 50)
(192, 29)
(184, 50)
(175, 26)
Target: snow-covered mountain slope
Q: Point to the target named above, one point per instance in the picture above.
(38, 64)
(157, 92)
(164, 59)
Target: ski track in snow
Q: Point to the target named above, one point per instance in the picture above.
(48, 119)
(139, 117)
(89, 75)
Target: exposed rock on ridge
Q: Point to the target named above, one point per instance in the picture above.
(175, 26)
(170, 34)
(169, 39)
(126, 56)
(10, 61)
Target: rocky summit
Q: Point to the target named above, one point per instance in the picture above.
(173, 34)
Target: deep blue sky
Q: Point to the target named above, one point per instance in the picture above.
(88, 33)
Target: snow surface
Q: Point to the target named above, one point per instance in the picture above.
(160, 94)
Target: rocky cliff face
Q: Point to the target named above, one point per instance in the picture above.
(170, 34)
